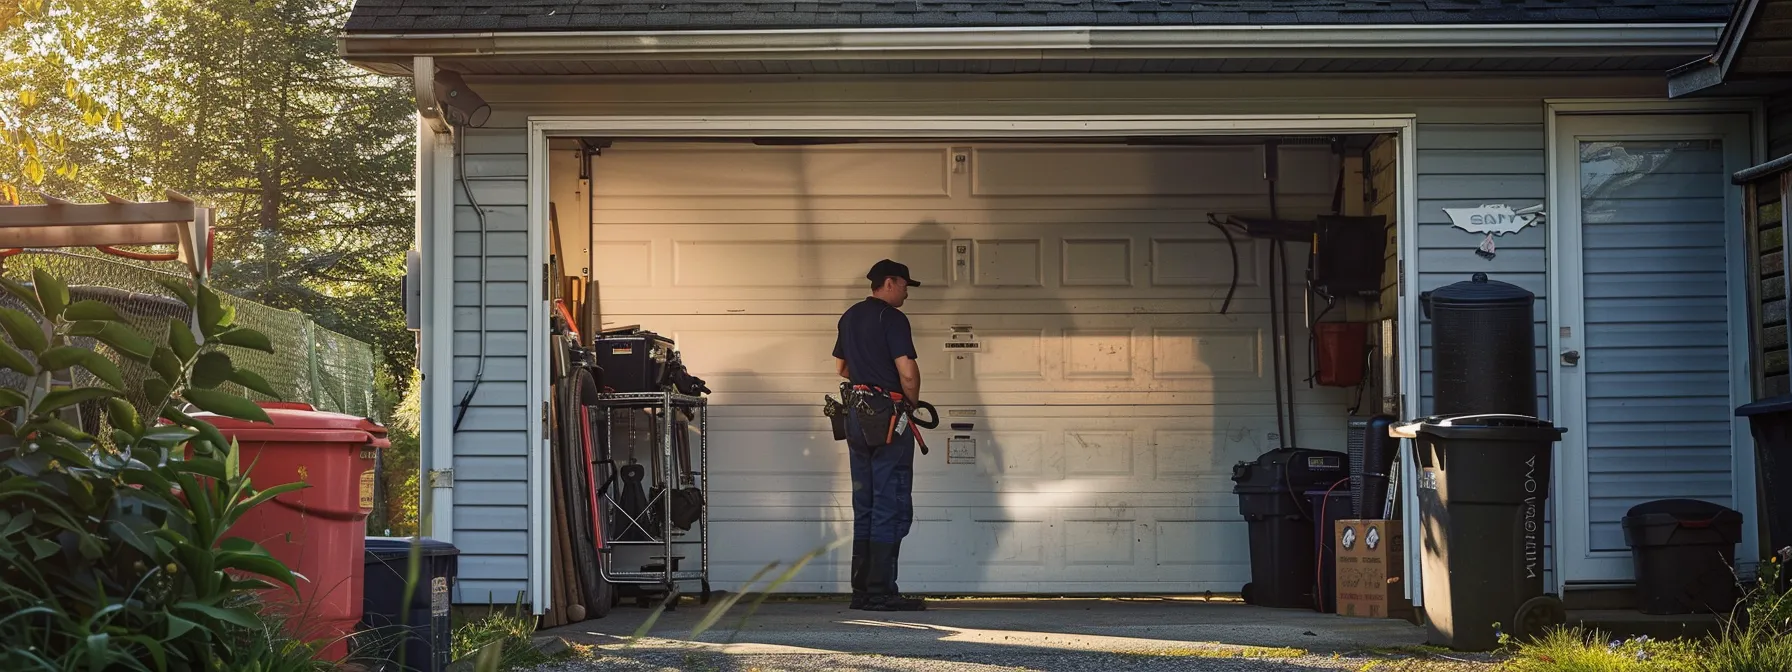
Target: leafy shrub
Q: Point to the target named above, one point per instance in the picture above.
(115, 551)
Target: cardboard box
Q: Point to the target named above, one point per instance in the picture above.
(1371, 562)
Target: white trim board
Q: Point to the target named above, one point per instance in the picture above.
(1403, 126)
(1569, 496)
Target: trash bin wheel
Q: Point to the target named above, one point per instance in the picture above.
(1538, 615)
(1245, 594)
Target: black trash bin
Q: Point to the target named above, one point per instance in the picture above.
(418, 631)
(1272, 497)
(1484, 539)
(1770, 421)
(1684, 551)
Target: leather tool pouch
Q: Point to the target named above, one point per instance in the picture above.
(876, 416)
(836, 414)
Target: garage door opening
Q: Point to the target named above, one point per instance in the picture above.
(1128, 352)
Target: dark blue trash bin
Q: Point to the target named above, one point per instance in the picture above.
(416, 632)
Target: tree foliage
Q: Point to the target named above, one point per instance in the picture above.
(243, 104)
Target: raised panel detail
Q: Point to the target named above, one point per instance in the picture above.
(1184, 452)
(1098, 453)
(782, 263)
(1007, 263)
(1099, 542)
(1190, 353)
(757, 352)
(1010, 355)
(1198, 263)
(1098, 263)
(1118, 171)
(1193, 542)
(1098, 353)
(1012, 454)
(648, 171)
(1010, 542)
(622, 263)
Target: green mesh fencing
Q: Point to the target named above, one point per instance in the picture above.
(310, 364)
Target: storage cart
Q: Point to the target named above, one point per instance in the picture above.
(670, 475)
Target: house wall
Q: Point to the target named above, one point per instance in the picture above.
(1779, 126)
(1478, 141)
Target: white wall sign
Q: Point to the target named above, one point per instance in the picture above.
(961, 450)
(1496, 219)
(962, 340)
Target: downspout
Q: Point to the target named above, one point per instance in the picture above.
(435, 207)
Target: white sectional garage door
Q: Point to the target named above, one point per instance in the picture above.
(1110, 400)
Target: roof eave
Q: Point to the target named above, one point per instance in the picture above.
(1416, 41)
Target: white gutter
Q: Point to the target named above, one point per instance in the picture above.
(1510, 40)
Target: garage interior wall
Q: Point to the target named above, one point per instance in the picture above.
(1487, 150)
(1111, 398)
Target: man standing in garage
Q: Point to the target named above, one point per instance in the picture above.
(875, 353)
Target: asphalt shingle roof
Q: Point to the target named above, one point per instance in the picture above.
(415, 16)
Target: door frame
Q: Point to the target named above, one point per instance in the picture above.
(1402, 125)
(1570, 505)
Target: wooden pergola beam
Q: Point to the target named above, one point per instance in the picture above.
(61, 223)
(90, 214)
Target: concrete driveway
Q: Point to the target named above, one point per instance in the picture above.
(985, 634)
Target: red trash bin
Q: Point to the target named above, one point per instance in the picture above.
(320, 531)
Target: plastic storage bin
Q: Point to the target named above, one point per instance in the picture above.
(1483, 488)
(1684, 551)
(318, 531)
(413, 634)
(1271, 496)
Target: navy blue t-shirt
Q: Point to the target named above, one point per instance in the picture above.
(872, 335)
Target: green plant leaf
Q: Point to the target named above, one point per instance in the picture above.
(126, 341)
(247, 338)
(227, 405)
(262, 497)
(212, 369)
(66, 398)
(103, 369)
(24, 330)
(261, 565)
(12, 399)
(42, 548)
(11, 358)
(63, 429)
(24, 294)
(180, 339)
(179, 288)
(166, 365)
(57, 359)
(138, 540)
(209, 467)
(52, 294)
(237, 617)
(17, 524)
(156, 652)
(253, 381)
(124, 416)
(211, 312)
(90, 310)
(178, 627)
(86, 328)
(206, 431)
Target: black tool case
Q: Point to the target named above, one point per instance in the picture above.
(633, 362)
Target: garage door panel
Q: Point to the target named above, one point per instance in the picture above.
(1109, 400)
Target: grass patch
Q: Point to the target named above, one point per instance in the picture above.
(1579, 650)
(508, 632)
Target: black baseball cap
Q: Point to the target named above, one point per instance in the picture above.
(890, 269)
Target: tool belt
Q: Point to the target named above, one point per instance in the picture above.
(881, 415)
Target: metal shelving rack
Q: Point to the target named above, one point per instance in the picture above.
(666, 537)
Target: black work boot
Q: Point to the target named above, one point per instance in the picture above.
(861, 558)
(880, 582)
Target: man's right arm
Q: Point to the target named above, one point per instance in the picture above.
(911, 378)
(840, 367)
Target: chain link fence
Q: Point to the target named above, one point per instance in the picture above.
(310, 364)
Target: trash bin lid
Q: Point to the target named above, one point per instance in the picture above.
(399, 548)
(1686, 511)
(1476, 291)
(1482, 426)
(1777, 404)
(290, 418)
